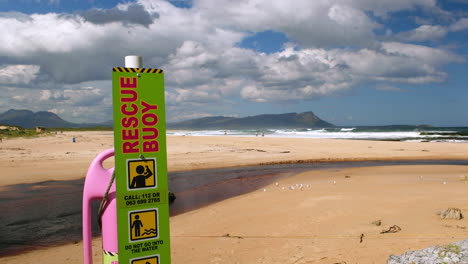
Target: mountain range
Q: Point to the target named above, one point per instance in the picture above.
(288, 120)
(30, 119)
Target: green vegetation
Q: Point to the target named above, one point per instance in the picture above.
(97, 128)
(16, 131)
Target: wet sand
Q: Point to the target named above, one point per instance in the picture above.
(29, 226)
(58, 158)
(38, 215)
(330, 220)
(268, 221)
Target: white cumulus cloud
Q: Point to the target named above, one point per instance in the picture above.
(64, 61)
(18, 74)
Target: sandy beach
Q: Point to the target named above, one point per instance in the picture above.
(320, 216)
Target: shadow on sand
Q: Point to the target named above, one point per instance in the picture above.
(48, 213)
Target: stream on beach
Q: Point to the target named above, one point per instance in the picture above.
(43, 214)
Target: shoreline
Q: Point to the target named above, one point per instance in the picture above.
(327, 204)
(221, 184)
(330, 220)
(279, 163)
(57, 158)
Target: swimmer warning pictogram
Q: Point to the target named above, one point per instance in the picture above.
(143, 225)
(141, 166)
(141, 174)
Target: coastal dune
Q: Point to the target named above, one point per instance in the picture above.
(320, 216)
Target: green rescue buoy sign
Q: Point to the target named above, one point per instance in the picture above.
(141, 166)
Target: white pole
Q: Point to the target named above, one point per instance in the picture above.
(133, 61)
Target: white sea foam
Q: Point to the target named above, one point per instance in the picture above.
(332, 133)
(345, 135)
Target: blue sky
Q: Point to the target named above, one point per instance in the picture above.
(351, 62)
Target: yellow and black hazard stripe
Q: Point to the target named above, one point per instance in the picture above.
(108, 253)
(137, 70)
(109, 257)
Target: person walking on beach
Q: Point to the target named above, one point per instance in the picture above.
(137, 224)
(139, 181)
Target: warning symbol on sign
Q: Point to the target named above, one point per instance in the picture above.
(144, 224)
(141, 173)
(147, 260)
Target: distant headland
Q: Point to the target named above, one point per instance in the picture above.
(29, 119)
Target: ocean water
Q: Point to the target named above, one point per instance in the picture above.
(419, 134)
